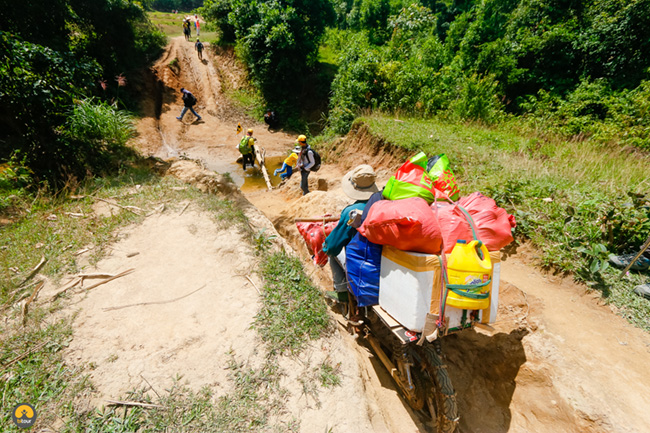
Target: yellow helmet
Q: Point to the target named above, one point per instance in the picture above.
(302, 138)
(250, 130)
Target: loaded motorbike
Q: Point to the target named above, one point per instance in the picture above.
(415, 364)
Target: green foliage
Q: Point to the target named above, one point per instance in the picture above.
(263, 242)
(290, 299)
(48, 65)
(278, 41)
(181, 5)
(218, 11)
(99, 124)
(580, 68)
(329, 375)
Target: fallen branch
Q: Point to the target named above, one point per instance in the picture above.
(183, 210)
(154, 302)
(34, 271)
(129, 208)
(11, 295)
(84, 276)
(251, 281)
(24, 355)
(67, 287)
(134, 403)
(111, 278)
(160, 209)
(25, 307)
(152, 388)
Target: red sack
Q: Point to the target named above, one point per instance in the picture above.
(493, 224)
(406, 224)
(314, 234)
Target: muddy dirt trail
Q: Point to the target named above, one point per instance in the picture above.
(558, 360)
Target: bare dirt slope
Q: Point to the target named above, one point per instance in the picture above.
(557, 361)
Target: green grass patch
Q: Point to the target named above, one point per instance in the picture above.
(252, 404)
(170, 24)
(329, 375)
(293, 311)
(55, 227)
(249, 101)
(33, 368)
(577, 202)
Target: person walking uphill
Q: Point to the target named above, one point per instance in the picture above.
(186, 29)
(306, 161)
(358, 184)
(246, 147)
(198, 46)
(188, 101)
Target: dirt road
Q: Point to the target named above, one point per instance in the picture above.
(557, 361)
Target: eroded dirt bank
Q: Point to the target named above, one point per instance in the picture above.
(557, 360)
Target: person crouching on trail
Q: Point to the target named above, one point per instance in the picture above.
(247, 149)
(358, 184)
(188, 101)
(306, 161)
(287, 166)
(198, 46)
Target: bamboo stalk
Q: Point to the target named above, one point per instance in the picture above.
(260, 160)
(316, 219)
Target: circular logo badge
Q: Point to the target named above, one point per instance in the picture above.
(24, 415)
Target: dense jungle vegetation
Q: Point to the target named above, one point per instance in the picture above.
(66, 68)
(577, 67)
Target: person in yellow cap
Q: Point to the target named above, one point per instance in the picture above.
(306, 161)
(247, 149)
(287, 166)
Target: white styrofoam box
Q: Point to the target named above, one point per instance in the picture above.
(405, 285)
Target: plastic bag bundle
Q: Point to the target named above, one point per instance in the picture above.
(314, 234)
(439, 170)
(430, 179)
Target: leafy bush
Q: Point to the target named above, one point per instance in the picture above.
(48, 65)
(278, 40)
(99, 124)
(580, 68)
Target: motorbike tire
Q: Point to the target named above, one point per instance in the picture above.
(441, 397)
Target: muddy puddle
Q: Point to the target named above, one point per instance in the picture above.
(251, 179)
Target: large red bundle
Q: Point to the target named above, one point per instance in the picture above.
(407, 224)
(314, 234)
(493, 224)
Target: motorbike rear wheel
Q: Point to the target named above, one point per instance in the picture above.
(440, 394)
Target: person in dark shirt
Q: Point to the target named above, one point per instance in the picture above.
(358, 184)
